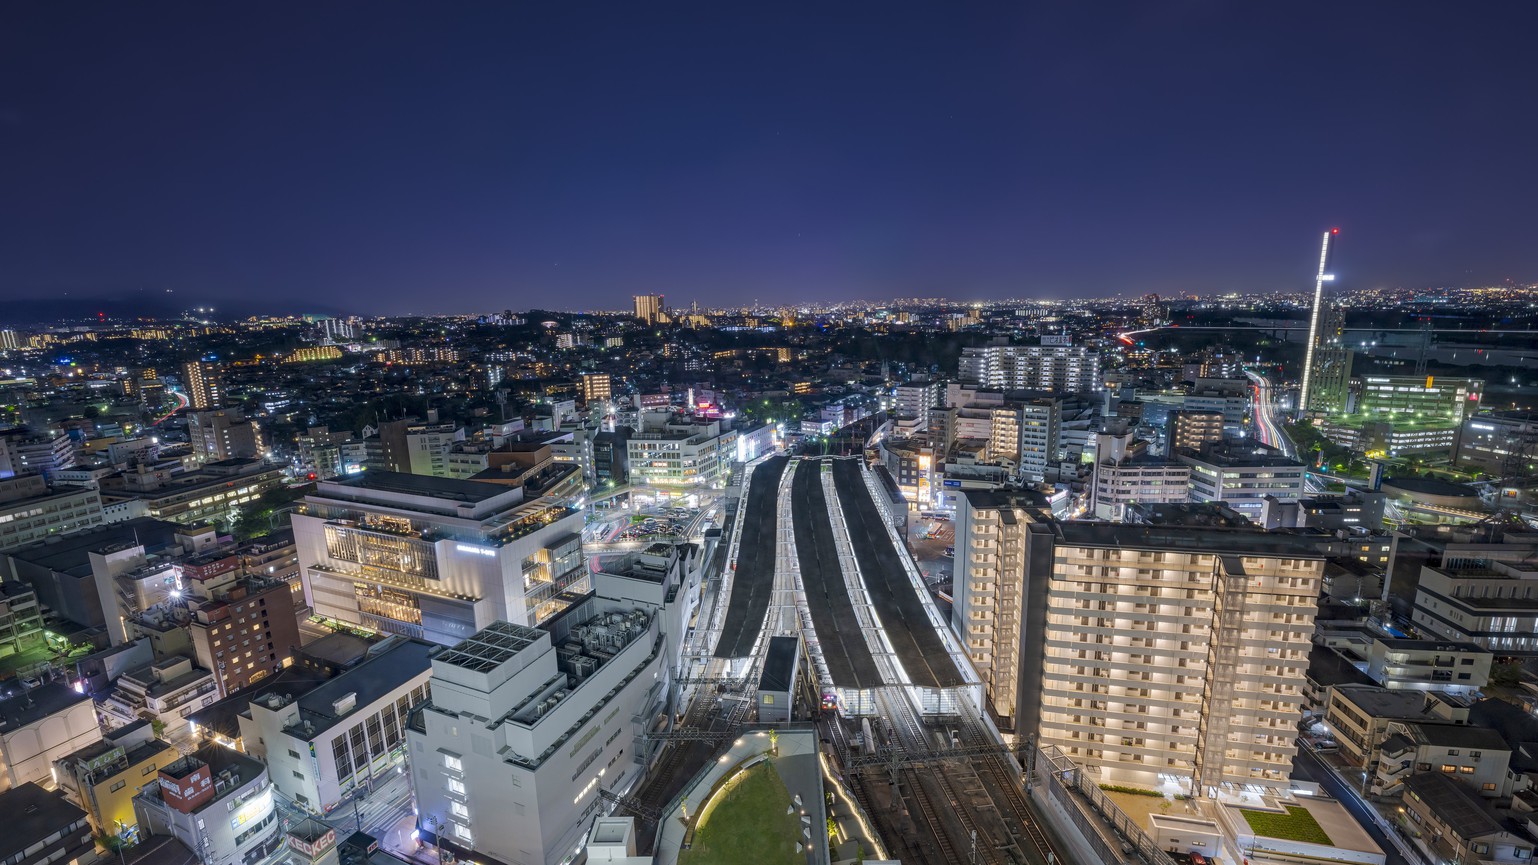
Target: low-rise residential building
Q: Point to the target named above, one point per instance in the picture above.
(1359, 716)
(163, 692)
(40, 725)
(218, 802)
(345, 732)
(104, 777)
(1477, 757)
(1449, 822)
(1429, 665)
(42, 828)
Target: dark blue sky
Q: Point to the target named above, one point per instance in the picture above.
(433, 157)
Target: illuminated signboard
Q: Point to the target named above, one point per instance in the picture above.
(479, 551)
(254, 809)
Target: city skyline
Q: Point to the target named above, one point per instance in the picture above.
(414, 162)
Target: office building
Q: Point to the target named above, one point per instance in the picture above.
(668, 451)
(1058, 368)
(30, 511)
(203, 384)
(1316, 317)
(525, 724)
(649, 308)
(435, 558)
(1330, 377)
(1192, 430)
(213, 493)
(24, 452)
(40, 725)
(597, 387)
(1480, 599)
(224, 434)
(611, 457)
(1242, 476)
(412, 447)
(1413, 398)
(340, 736)
(104, 777)
(42, 828)
(1499, 444)
(218, 802)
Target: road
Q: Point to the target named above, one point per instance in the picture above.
(1268, 425)
(1308, 766)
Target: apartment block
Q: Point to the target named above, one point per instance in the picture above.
(25, 452)
(1059, 368)
(1193, 430)
(224, 434)
(435, 558)
(203, 383)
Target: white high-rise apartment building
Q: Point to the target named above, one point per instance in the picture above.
(1154, 656)
(1175, 658)
(1056, 368)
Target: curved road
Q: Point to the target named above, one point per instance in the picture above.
(1268, 423)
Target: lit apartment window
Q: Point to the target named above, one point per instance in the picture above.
(452, 763)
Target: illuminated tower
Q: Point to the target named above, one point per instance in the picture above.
(1323, 276)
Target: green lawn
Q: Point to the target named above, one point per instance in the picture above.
(1296, 825)
(746, 823)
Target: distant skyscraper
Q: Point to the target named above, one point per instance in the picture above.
(9, 340)
(648, 307)
(1320, 278)
(1330, 378)
(203, 382)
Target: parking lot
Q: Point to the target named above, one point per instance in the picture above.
(932, 542)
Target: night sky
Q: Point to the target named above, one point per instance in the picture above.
(381, 157)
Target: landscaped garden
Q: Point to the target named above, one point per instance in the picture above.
(1296, 825)
(745, 823)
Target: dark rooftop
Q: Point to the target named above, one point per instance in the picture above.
(779, 664)
(223, 716)
(423, 485)
(1459, 807)
(31, 705)
(390, 667)
(33, 814)
(1328, 668)
(71, 552)
(1198, 540)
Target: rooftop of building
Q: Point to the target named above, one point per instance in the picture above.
(1329, 668)
(392, 665)
(341, 648)
(1407, 645)
(1206, 539)
(230, 769)
(404, 483)
(1431, 486)
(71, 553)
(1379, 702)
(1455, 804)
(31, 705)
(1458, 736)
(1190, 515)
(779, 664)
(1232, 455)
(31, 815)
(223, 717)
(1024, 499)
(489, 647)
